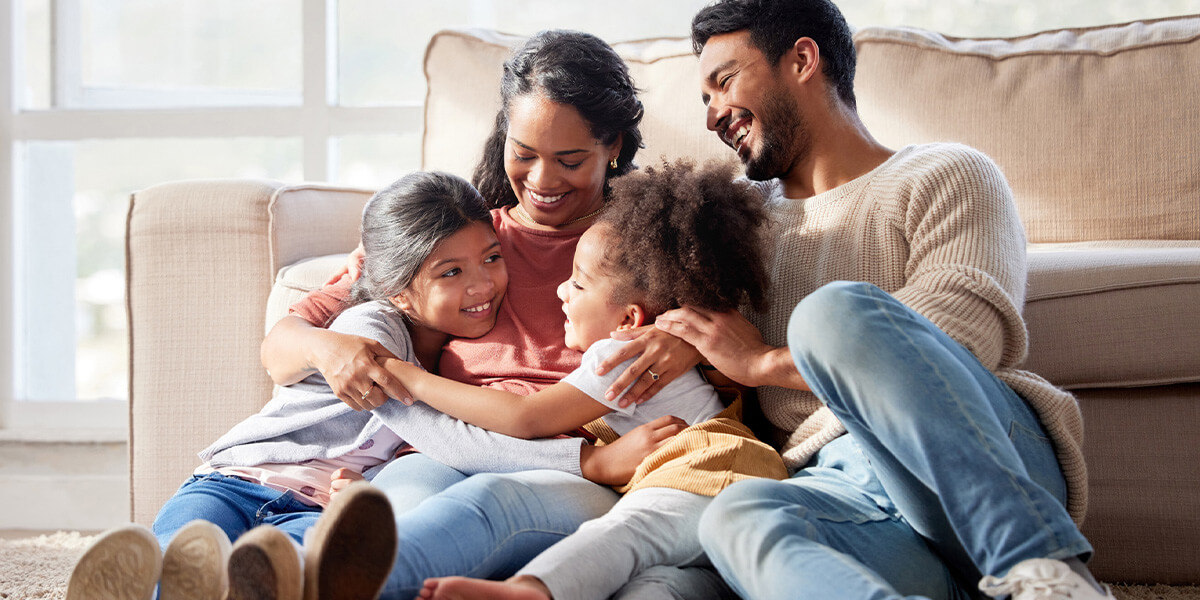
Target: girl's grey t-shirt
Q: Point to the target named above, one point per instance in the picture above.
(306, 420)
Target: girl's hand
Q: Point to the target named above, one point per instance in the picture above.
(352, 268)
(351, 368)
(341, 479)
(663, 358)
(615, 463)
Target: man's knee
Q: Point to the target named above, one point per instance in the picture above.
(831, 319)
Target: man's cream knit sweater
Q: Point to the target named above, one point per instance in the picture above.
(936, 227)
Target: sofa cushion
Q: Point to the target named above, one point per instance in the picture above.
(1114, 314)
(296, 280)
(1097, 129)
(463, 70)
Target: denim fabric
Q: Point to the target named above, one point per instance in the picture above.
(409, 480)
(490, 525)
(945, 475)
(235, 505)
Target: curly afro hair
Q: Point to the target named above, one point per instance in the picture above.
(686, 236)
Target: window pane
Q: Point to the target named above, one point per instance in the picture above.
(149, 53)
(382, 42)
(33, 79)
(374, 161)
(70, 232)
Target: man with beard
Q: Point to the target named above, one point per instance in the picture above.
(926, 464)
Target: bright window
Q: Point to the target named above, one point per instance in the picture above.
(99, 98)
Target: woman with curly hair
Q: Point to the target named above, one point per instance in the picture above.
(671, 236)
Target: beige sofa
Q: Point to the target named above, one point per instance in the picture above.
(1097, 130)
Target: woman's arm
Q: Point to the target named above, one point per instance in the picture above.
(658, 353)
(296, 348)
(557, 409)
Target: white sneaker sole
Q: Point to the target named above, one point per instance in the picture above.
(122, 564)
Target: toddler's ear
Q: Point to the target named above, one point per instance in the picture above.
(635, 316)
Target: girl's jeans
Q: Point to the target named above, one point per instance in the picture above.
(235, 505)
(945, 475)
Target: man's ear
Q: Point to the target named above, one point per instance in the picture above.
(804, 58)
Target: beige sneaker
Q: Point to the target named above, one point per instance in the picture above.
(1042, 579)
(264, 565)
(122, 564)
(350, 551)
(195, 563)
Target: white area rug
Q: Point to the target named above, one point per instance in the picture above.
(39, 567)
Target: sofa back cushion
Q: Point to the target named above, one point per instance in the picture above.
(1097, 130)
(463, 69)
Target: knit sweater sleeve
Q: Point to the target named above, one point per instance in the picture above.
(966, 267)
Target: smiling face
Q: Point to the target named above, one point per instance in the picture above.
(750, 108)
(554, 165)
(587, 296)
(459, 287)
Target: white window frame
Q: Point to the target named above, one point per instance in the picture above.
(318, 121)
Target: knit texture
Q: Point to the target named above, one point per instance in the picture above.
(936, 227)
(703, 459)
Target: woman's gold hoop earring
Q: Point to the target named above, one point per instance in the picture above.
(612, 164)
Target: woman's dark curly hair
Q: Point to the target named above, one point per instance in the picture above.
(686, 236)
(573, 68)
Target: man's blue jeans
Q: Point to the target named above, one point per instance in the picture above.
(945, 475)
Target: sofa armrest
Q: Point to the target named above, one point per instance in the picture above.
(201, 258)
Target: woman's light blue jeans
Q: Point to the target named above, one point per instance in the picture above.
(486, 526)
(946, 474)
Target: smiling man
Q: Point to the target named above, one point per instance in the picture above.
(926, 464)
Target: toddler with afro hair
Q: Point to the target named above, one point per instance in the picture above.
(686, 236)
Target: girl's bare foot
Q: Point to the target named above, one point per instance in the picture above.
(465, 588)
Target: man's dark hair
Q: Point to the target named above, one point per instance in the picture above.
(774, 27)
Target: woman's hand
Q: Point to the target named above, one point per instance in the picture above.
(615, 463)
(351, 368)
(663, 357)
(352, 268)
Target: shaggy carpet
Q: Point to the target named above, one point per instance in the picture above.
(39, 567)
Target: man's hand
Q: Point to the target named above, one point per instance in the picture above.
(734, 346)
(615, 463)
(661, 358)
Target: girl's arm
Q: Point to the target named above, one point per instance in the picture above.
(557, 409)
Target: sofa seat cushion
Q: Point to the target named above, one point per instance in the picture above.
(1114, 314)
